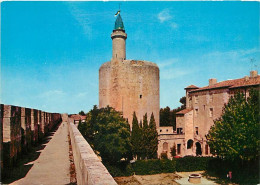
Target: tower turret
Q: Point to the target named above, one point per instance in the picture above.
(118, 37)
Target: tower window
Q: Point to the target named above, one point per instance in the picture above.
(211, 112)
(141, 96)
(196, 112)
(197, 130)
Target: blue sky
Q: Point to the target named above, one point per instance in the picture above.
(51, 51)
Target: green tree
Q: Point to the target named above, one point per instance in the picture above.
(153, 139)
(173, 150)
(165, 117)
(136, 137)
(108, 133)
(82, 113)
(183, 102)
(145, 137)
(235, 135)
(168, 116)
(89, 127)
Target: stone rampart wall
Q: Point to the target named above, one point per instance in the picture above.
(89, 168)
(21, 128)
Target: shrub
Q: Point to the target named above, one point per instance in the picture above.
(153, 166)
(119, 169)
(164, 155)
(142, 167)
(191, 163)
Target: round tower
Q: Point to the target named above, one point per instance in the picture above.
(118, 40)
(129, 85)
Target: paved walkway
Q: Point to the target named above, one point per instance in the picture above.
(52, 166)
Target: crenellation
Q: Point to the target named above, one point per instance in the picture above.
(19, 127)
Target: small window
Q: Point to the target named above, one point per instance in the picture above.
(196, 112)
(211, 112)
(204, 106)
(178, 148)
(141, 96)
(161, 130)
(166, 130)
(197, 130)
(179, 130)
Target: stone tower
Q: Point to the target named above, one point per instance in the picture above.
(128, 85)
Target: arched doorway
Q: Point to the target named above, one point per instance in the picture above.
(198, 149)
(189, 144)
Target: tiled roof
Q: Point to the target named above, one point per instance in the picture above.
(236, 83)
(78, 117)
(191, 87)
(184, 111)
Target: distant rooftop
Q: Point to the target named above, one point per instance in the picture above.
(191, 87)
(184, 111)
(236, 83)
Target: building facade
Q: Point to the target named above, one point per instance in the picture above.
(128, 85)
(203, 106)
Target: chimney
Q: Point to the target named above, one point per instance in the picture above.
(246, 78)
(212, 81)
(253, 74)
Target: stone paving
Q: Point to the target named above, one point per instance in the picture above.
(53, 165)
(185, 179)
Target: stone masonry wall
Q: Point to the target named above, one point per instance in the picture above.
(130, 85)
(20, 129)
(89, 168)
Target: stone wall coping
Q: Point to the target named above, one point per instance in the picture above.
(89, 168)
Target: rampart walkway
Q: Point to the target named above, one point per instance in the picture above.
(52, 166)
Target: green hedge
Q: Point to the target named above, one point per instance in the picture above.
(243, 173)
(142, 167)
(191, 163)
(153, 166)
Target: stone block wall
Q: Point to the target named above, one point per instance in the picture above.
(20, 129)
(11, 134)
(130, 85)
(89, 168)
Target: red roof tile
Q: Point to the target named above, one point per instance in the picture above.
(241, 82)
(184, 111)
(191, 87)
(78, 117)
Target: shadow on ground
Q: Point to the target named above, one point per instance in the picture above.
(26, 160)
